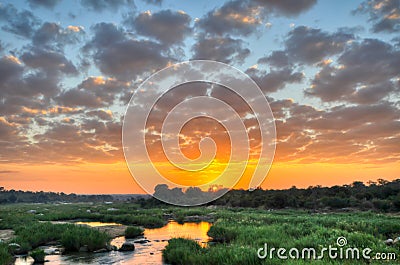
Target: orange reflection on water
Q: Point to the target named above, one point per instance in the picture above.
(195, 231)
(96, 224)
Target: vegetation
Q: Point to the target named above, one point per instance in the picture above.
(74, 237)
(38, 255)
(242, 222)
(383, 196)
(133, 231)
(14, 196)
(241, 232)
(5, 256)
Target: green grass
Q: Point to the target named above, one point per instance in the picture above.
(75, 237)
(240, 233)
(133, 231)
(71, 236)
(5, 256)
(38, 255)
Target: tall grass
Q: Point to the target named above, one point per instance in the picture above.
(133, 231)
(71, 236)
(5, 256)
(242, 232)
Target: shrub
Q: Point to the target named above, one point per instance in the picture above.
(182, 251)
(133, 231)
(221, 234)
(38, 255)
(75, 237)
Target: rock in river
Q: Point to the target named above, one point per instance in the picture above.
(127, 246)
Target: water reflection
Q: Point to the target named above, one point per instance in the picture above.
(146, 252)
(96, 224)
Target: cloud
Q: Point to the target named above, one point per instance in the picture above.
(243, 17)
(276, 59)
(119, 55)
(287, 7)
(309, 45)
(101, 5)
(53, 36)
(48, 61)
(168, 27)
(21, 23)
(50, 4)
(365, 73)
(8, 171)
(101, 114)
(384, 14)
(234, 17)
(274, 80)
(342, 134)
(223, 49)
(93, 92)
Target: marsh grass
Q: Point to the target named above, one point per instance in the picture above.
(242, 232)
(38, 256)
(133, 231)
(5, 256)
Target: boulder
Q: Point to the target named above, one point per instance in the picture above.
(127, 246)
(389, 241)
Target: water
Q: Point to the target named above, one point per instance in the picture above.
(146, 253)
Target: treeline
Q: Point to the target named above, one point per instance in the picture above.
(18, 196)
(381, 196)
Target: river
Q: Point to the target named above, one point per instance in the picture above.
(145, 253)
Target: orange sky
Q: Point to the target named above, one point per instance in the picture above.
(115, 178)
(68, 71)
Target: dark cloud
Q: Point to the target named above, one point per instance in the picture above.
(49, 61)
(384, 14)
(287, 7)
(94, 92)
(43, 3)
(101, 5)
(234, 17)
(53, 36)
(8, 171)
(238, 17)
(276, 59)
(121, 56)
(21, 23)
(366, 72)
(309, 45)
(343, 134)
(274, 80)
(168, 27)
(223, 49)
(101, 114)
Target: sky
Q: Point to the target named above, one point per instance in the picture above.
(330, 71)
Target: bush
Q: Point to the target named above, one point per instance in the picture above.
(75, 237)
(221, 234)
(133, 231)
(182, 251)
(38, 255)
